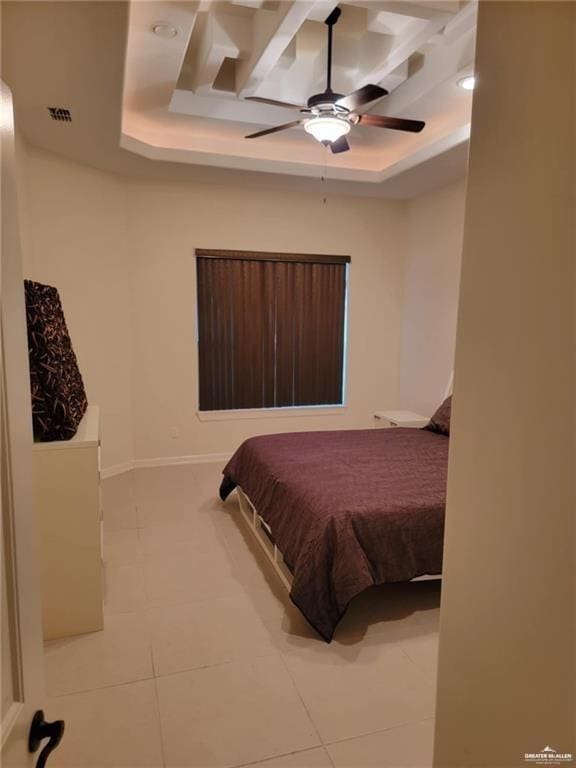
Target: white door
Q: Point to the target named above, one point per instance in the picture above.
(21, 682)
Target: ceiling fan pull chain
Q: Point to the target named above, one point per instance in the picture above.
(325, 174)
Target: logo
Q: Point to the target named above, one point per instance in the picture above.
(548, 756)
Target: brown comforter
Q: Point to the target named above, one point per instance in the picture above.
(348, 509)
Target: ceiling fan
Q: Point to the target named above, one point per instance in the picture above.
(331, 114)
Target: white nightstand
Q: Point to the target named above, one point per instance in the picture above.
(399, 419)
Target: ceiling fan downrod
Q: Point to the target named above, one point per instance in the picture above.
(330, 21)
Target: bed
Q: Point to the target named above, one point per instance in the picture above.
(341, 511)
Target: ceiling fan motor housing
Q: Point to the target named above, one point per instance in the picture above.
(328, 98)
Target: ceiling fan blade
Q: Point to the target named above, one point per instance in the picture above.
(277, 128)
(273, 102)
(340, 145)
(362, 96)
(395, 123)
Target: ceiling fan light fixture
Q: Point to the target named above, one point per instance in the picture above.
(327, 128)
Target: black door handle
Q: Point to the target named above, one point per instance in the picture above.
(40, 730)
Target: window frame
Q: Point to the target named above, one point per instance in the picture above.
(291, 411)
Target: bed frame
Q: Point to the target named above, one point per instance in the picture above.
(262, 532)
(263, 535)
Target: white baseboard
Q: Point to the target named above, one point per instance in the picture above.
(170, 461)
(116, 469)
(163, 461)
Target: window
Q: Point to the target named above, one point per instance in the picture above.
(271, 329)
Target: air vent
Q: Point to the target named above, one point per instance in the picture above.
(61, 114)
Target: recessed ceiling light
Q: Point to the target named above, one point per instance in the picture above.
(467, 83)
(162, 29)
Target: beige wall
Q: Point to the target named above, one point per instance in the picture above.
(76, 240)
(507, 643)
(121, 253)
(433, 252)
(167, 221)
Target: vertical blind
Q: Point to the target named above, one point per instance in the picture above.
(270, 329)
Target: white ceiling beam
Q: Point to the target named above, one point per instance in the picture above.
(375, 49)
(464, 22)
(248, 3)
(288, 57)
(301, 70)
(227, 107)
(153, 63)
(441, 63)
(395, 79)
(417, 10)
(272, 32)
(409, 43)
(225, 35)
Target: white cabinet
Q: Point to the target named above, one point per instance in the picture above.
(67, 480)
(399, 419)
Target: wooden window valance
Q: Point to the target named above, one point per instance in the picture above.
(307, 258)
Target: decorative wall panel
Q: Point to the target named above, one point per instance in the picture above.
(58, 395)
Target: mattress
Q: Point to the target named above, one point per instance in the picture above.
(348, 509)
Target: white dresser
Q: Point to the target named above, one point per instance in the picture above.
(67, 475)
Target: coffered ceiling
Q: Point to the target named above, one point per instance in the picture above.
(184, 96)
(175, 107)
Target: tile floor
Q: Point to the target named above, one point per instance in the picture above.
(205, 663)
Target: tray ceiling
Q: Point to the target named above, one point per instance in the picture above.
(184, 97)
(174, 108)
